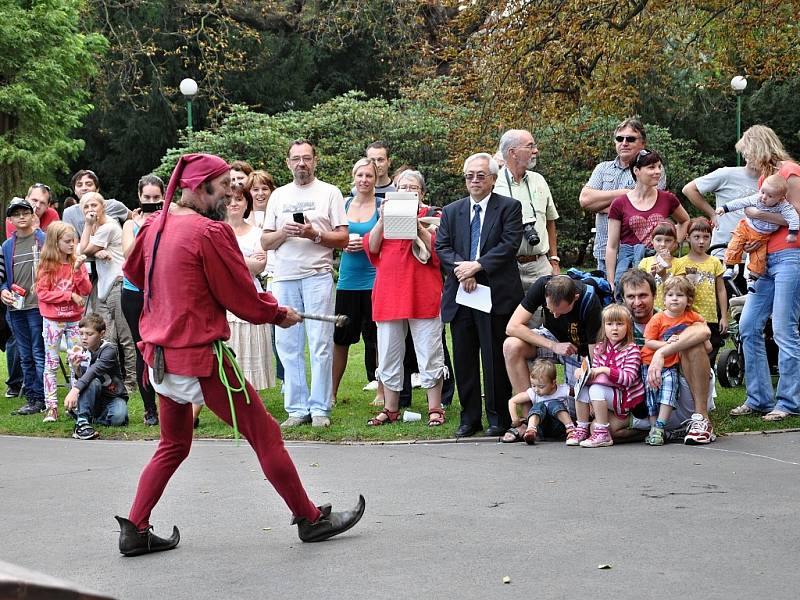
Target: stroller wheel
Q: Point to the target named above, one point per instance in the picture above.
(729, 368)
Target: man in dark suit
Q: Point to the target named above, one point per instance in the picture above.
(477, 243)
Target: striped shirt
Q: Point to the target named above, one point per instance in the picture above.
(625, 373)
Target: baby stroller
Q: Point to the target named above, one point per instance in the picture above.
(729, 367)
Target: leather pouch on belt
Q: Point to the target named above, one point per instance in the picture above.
(158, 365)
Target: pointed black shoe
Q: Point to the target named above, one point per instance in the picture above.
(133, 542)
(330, 523)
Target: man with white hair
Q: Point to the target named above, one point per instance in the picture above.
(476, 242)
(538, 253)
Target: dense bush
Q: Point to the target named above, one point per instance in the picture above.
(417, 133)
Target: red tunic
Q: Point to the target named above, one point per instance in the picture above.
(199, 273)
(404, 288)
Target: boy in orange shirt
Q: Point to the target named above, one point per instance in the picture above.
(664, 328)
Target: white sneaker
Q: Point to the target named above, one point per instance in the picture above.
(295, 421)
(371, 386)
(416, 380)
(320, 422)
(700, 431)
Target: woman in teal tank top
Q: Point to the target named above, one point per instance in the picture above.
(356, 278)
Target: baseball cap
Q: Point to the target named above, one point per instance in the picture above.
(18, 203)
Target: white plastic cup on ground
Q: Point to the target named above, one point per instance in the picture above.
(410, 416)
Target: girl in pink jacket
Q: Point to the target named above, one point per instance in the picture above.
(62, 284)
(615, 382)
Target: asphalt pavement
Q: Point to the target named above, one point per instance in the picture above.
(443, 520)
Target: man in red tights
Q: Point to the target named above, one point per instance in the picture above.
(190, 267)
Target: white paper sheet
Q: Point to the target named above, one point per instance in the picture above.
(479, 299)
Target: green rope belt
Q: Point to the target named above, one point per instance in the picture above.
(221, 351)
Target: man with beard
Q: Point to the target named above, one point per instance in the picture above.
(304, 222)
(538, 252)
(690, 418)
(190, 267)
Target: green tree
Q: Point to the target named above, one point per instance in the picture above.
(553, 60)
(417, 132)
(272, 56)
(44, 63)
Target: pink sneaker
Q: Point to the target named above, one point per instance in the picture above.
(576, 435)
(599, 439)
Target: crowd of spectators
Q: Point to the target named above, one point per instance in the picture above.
(638, 368)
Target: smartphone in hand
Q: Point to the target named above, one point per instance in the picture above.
(298, 218)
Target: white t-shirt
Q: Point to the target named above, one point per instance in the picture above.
(250, 243)
(109, 237)
(727, 184)
(256, 218)
(322, 204)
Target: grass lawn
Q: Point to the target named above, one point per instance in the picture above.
(348, 419)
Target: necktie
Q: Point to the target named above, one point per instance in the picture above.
(475, 232)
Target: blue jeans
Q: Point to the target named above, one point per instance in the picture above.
(628, 256)
(13, 366)
(94, 408)
(27, 328)
(549, 425)
(777, 292)
(601, 265)
(315, 295)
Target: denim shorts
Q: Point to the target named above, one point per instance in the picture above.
(549, 425)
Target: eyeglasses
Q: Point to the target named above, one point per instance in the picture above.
(41, 186)
(627, 138)
(409, 188)
(475, 176)
(298, 159)
(531, 146)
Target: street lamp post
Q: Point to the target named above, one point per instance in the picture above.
(189, 90)
(738, 85)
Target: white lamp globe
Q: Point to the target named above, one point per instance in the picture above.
(188, 88)
(738, 84)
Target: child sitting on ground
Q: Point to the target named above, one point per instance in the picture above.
(770, 198)
(665, 242)
(665, 328)
(705, 273)
(615, 381)
(99, 392)
(545, 403)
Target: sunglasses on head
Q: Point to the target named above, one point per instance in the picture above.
(41, 186)
(626, 138)
(640, 156)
